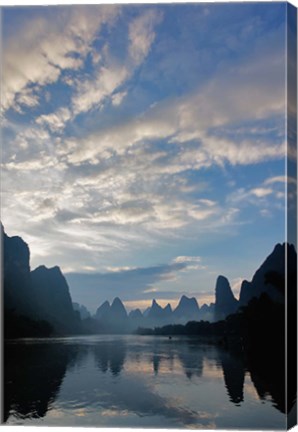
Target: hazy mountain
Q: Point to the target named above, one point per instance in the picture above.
(112, 317)
(135, 314)
(136, 319)
(207, 312)
(168, 310)
(53, 298)
(146, 312)
(83, 311)
(118, 311)
(187, 310)
(225, 302)
(103, 311)
(156, 311)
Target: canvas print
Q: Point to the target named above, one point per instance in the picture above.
(148, 215)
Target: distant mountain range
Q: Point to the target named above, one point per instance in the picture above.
(43, 295)
(114, 316)
(269, 279)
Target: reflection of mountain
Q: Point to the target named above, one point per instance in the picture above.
(268, 377)
(31, 390)
(134, 393)
(163, 352)
(156, 359)
(110, 356)
(191, 358)
(33, 374)
(267, 372)
(233, 372)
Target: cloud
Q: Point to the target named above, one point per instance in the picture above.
(261, 192)
(137, 284)
(187, 259)
(241, 93)
(128, 284)
(191, 263)
(112, 74)
(117, 98)
(120, 269)
(44, 46)
(142, 35)
(281, 179)
(93, 92)
(55, 121)
(266, 199)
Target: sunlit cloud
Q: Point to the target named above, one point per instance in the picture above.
(46, 45)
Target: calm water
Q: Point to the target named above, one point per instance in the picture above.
(136, 381)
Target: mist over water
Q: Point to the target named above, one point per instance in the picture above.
(137, 381)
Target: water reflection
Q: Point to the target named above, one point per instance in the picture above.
(234, 374)
(33, 374)
(110, 356)
(269, 377)
(138, 380)
(191, 359)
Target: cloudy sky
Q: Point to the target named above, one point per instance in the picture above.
(144, 146)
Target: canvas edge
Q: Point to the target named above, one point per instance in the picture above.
(291, 209)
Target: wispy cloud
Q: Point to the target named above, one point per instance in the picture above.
(142, 35)
(187, 259)
(46, 45)
(232, 96)
(112, 74)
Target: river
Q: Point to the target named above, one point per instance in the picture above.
(136, 381)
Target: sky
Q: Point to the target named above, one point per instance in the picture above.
(144, 145)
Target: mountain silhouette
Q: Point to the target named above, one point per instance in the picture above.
(270, 277)
(16, 274)
(113, 318)
(187, 309)
(207, 312)
(225, 302)
(135, 314)
(43, 294)
(156, 311)
(168, 310)
(118, 310)
(53, 299)
(103, 311)
(32, 297)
